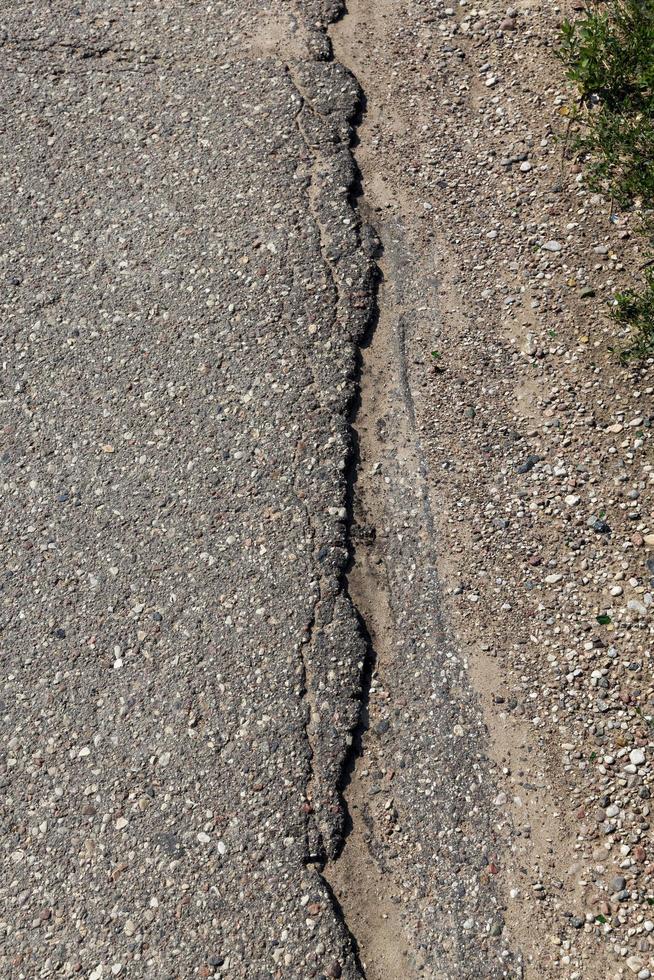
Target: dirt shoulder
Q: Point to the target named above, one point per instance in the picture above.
(538, 449)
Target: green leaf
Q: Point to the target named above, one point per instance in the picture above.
(604, 620)
(608, 53)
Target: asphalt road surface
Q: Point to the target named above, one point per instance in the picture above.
(186, 280)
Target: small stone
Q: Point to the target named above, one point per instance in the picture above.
(618, 883)
(572, 499)
(531, 346)
(528, 464)
(553, 579)
(552, 246)
(334, 969)
(637, 757)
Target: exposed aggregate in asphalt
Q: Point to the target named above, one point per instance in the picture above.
(174, 396)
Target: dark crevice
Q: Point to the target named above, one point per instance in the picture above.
(369, 242)
(356, 202)
(370, 660)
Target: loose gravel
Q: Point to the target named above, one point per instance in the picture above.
(538, 448)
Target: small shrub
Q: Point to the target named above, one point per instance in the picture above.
(636, 308)
(609, 57)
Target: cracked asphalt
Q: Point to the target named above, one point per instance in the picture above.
(174, 391)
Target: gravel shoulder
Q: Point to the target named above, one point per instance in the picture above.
(537, 448)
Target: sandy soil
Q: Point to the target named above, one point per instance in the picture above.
(538, 449)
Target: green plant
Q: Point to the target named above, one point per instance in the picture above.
(609, 57)
(636, 308)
